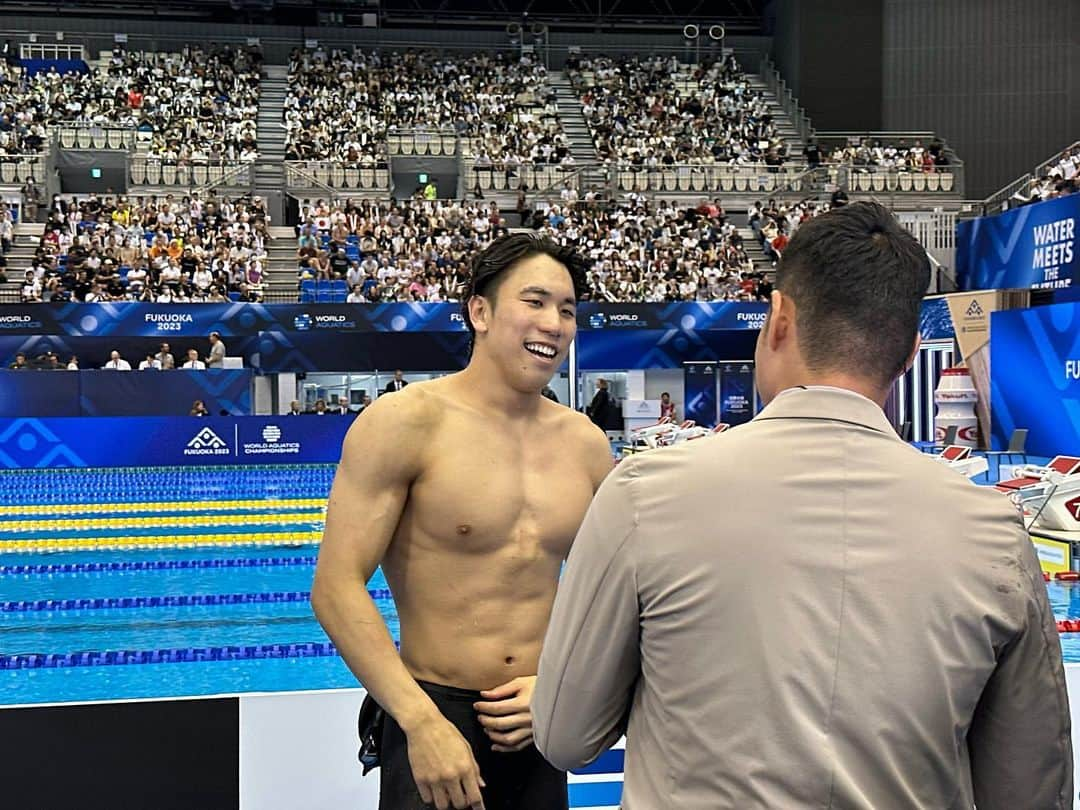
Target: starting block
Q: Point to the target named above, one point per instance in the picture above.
(959, 458)
(1049, 496)
(666, 433)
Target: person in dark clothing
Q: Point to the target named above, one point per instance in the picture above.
(597, 410)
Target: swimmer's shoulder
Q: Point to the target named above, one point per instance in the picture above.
(397, 421)
(583, 437)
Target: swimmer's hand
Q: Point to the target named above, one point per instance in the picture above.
(505, 715)
(443, 766)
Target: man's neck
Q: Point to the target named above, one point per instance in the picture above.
(484, 383)
(836, 379)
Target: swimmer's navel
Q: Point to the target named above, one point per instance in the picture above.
(464, 528)
(509, 660)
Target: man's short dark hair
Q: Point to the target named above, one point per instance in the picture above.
(857, 279)
(490, 265)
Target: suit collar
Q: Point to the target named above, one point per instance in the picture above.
(826, 402)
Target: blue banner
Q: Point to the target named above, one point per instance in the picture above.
(165, 321)
(170, 441)
(699, 389)
(1035, 378)
(1031, 246)
(736, 393)
(124, 393)
(612, 350)
(684, 316)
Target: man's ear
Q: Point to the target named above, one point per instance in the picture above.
(479, 313)
(781, 320)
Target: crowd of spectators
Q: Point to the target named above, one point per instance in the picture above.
(198, 104)
(415, 251)
(774, 223)
(873, 154)
(23, 126)
(164, 250)
(1057, 180)
(645, 251)
(657, 111)
(341, 104)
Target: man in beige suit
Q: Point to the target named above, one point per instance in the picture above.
(804, 611)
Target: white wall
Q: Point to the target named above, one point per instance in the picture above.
(262, 397)
(659, 380)
(298, 749)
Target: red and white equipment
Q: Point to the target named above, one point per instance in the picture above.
(959, 458)
(666, 433)
(1049, 496)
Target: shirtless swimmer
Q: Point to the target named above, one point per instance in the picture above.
(468, 490)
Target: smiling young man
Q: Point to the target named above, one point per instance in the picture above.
(468, 490)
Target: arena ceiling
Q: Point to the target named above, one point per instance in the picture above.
(738, 16)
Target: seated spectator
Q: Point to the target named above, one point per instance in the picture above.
(198, 408)
(191, 105)
(656, 111)
(150, 363)
(117, 363)
(110, 261)
(193, 362)
(342, 105)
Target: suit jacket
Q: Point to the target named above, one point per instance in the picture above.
(806, 612)
(393, 386)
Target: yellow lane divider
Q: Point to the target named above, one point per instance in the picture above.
(168, 506)
(118, 543)
(74, 524)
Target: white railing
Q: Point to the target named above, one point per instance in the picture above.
(336, 175)
(85, 135)
(422, 141)
(703, 177)
(533, 176)
(151, 171)
(41, 50)
(17, 169)
(935, 231)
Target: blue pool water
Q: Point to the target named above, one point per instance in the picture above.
(29, 624)
(79, 607)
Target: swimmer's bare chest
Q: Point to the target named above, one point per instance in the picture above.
(475, 559)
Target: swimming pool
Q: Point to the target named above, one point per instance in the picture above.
(177, 622)
(79, 626)
(167, 582)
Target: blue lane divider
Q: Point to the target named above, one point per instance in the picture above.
(169, 656)
(11, 535)
(151, 565)
(187, 600)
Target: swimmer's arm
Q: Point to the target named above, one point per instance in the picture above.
(379, 460)
(597, 453)
(590, 658)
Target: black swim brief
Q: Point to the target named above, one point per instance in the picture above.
(522, 780)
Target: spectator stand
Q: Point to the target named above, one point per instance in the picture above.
(1053, 177)
(166, 249)
(892, 163)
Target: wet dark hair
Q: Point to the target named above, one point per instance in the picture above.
(857, 278)
(490, 265)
